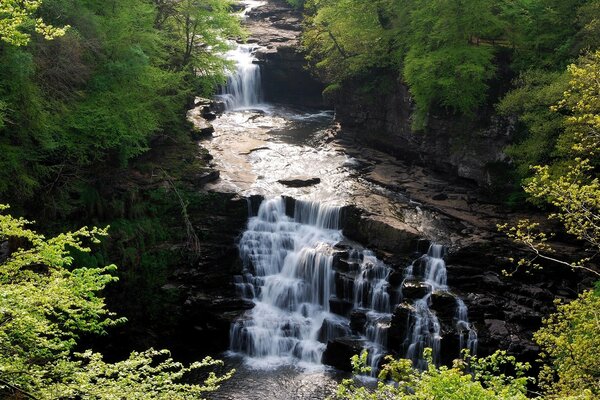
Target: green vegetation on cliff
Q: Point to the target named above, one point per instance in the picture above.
(94, 95)
(447, 51)
(47, 303)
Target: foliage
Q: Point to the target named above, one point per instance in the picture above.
(398, 380)
(445, 65)
(94, 97)
(17, 17)
(539, 127)
(570, 340)
(573, 189)
(448, 51)
(46, 303)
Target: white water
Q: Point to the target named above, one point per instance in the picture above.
(289, 266)
(243, 88)
(288, 258)
(425, 329)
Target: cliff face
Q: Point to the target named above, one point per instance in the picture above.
(276, 28)
(459, 148)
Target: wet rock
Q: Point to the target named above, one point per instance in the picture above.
(204, 177)
(415, 289)
(340, 306)
(440, 196)
(331, 329)
(358, 320)
(344, 286)
(200, 126)
(299, 182)
(399, 326)
(444, 305)
(396, 278)
(339, 352)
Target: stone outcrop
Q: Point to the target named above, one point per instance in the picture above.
(467, 149)
(275, 27)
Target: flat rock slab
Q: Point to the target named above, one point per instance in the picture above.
(300, 182)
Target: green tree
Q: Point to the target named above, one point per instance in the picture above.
(572, 189)
(570, 340)
(17, 18)
(398, 380)
(46, 303)
(447, 63)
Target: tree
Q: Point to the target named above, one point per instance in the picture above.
(46, 303)
(570, 340)
(570, 187)
(399, 381)
(17, 19)
(447, 64)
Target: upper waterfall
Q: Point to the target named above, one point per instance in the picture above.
(244, 87)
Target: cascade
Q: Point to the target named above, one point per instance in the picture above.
(308, 283)
(425, 327)
(288, 263)
(244, 86)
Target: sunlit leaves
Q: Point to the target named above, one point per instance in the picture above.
(46, 303)
(16, 22)
(570, 341)
(398, 380)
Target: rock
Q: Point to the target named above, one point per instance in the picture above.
(399, 326)
(218, 107)
(201, 127)
(440, 196)
(332, 329)
(358, 319)
(340, 306)
(344, 286)
(444, 305)
(415, 289)
(496, 328)
(209, 115)
(339, 352)
(299, 182)
(204, 177)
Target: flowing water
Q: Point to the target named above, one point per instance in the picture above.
(308, 283)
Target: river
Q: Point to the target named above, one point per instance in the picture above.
(310, 285)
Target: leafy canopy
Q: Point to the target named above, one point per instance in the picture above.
(46, 303)
(17, 18)
(399, 380)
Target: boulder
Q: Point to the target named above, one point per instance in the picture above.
(415, 289)
(358, 320)
(298, 182)
(444, 305)
(344, 286)
(340, 306)
(399, 326)
(339, 352)
(332, 329)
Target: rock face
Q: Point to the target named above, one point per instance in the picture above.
(383, 120)
(276, 28)
(300, 181)
(340, 351)
(208, 300)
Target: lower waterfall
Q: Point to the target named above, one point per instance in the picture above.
(311, 286)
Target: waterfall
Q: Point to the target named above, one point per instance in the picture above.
(310, 286)
(244, 87)
(288, 260)
(425, 325)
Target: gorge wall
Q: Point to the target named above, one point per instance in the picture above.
(456, 147)
(505, 311)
